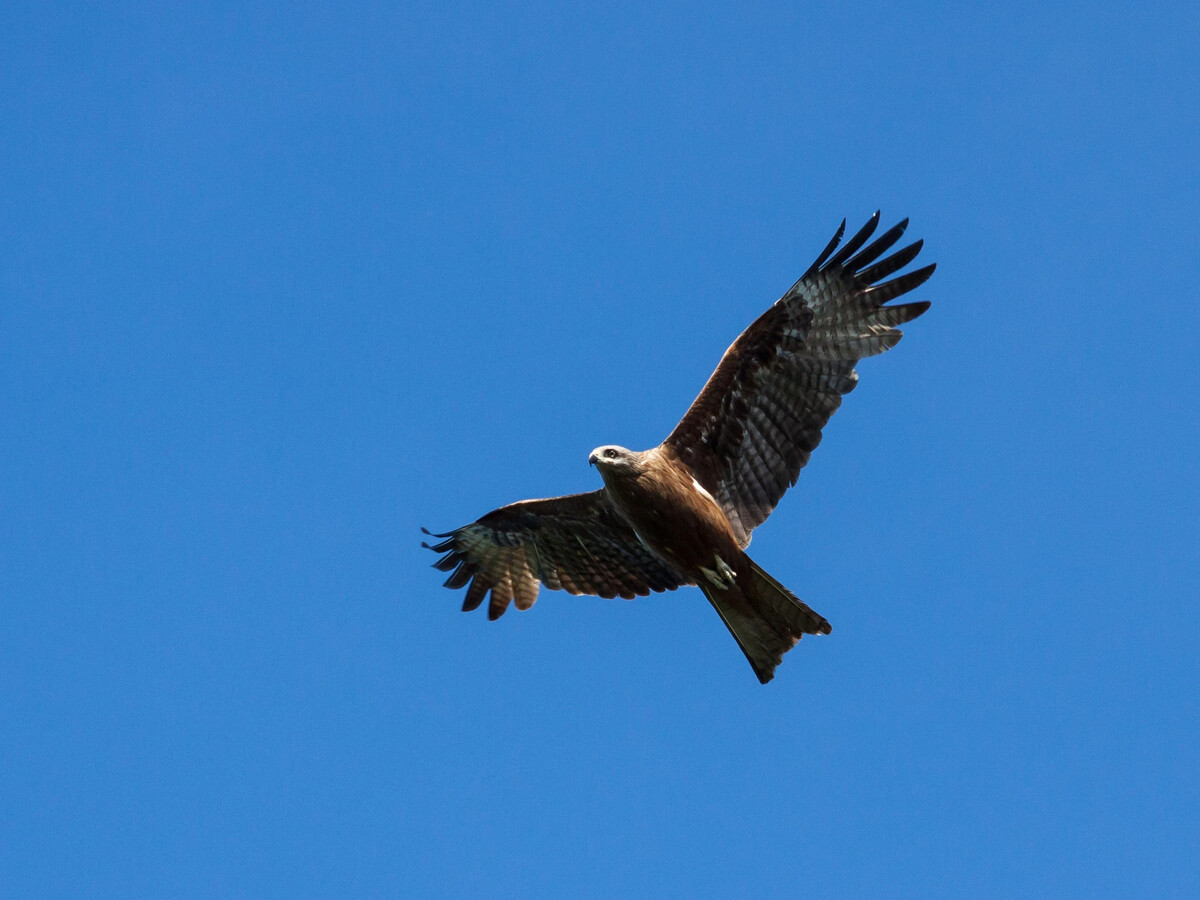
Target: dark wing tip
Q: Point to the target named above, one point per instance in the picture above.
(446, 546)
(890, 290)
(876, 249)
(853, 245)
(475, 593)
(829, 248)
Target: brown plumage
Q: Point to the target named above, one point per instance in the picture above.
(683, 512)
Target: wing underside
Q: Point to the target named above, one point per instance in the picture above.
(760, 415)
(576, 543)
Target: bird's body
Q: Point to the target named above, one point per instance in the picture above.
(668, 510)
(682, 513)
(680, 522)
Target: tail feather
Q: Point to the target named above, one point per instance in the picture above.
(764, 617)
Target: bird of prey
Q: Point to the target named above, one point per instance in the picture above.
(682, 513)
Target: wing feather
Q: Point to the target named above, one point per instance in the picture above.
(575, 543)
(761, 414)
(879, 246)
(851, 246)
(475, 593)
(893, 263)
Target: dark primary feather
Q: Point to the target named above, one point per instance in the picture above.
(750, 431)
(575, 543)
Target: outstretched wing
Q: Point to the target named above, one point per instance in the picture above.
(751, 430)
(575, 543)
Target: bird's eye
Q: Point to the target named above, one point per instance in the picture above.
(610, 453)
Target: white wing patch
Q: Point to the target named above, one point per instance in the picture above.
(642, 540)
(700, 488)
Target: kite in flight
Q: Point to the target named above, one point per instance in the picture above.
(682, 513)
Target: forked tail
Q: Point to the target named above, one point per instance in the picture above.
(764, 617)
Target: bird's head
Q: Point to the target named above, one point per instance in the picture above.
(612, 460)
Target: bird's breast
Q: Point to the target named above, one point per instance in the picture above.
(676, 521)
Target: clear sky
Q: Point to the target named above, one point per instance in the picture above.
(280, 284)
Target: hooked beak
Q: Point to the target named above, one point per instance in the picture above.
(592, 458)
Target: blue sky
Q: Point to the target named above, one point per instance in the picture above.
(280, 284)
